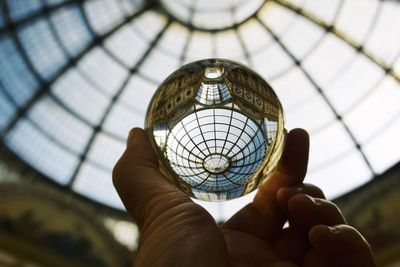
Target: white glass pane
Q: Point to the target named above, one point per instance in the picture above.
(254, 36)
(372, 114)
(276, 17)
(138, 93)
(106, 150)
(44, 52)
(355, 18)
(71, 29)
(340, 176)
(127, 45)
(328, 60)
(228, 45)
(312, 115)
(302, 36)
(97, 185)
(385, 39)
(20, 9)
(329, 145)
(60, 125)
(293, 89)
(213, 19)
(13, 67)
(158, 65)
(81, 96)
(122, 119)
(383, 151)
(174, 39)
(102, 70)
(41, 153)
(355, 83)
(271, 62)
(149, 24)
(324, 10)
(200, 46)
(7, 110)
(103, 15)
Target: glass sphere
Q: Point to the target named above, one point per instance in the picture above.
(218, 128)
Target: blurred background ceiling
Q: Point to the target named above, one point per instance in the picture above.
(76, 76)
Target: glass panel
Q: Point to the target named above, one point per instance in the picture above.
(293, 89)
(97, 185)
(7, 110)
(121, 119)
(103, 71)
(228, 45)
(302, 37)
(13, 67)
(356, 81)
(340, 176)
(200, 46)
(328, 60)
(71, 29)
(41, 153)
(60, 125)
(20, 9)
(44, 52)
(103, 15)
(106, 150)
(329, 145)
(355, 18)
(76, 92)
(325, 10)
(120, 44)
(272, 62)
(383, 150)
(376, 111)
(159, 65)
(254, 36)
(149, 24)
(277, 17)
(138, 93)
(212, 19)
(312, 115)
(384, 41)
(174, 39)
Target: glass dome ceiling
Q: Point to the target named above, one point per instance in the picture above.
(76, 76)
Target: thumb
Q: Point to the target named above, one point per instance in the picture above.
(143, 189)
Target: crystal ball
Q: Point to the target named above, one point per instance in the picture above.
(218, 128)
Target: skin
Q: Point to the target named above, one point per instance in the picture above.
(177, 232)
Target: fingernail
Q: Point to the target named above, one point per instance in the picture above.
(131, 136)
(333, 229)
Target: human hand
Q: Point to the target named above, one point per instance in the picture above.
(177, 232)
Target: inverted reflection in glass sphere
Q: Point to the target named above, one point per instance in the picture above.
(218, 128)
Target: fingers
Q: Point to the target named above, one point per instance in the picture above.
(263, 217)
(342, 245)
(140, 184)
(308, 211)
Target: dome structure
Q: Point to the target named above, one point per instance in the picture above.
(76, 76)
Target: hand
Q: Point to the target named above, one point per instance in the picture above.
(177, 232)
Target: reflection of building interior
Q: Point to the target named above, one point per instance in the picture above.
(219, 127)
(76, 76)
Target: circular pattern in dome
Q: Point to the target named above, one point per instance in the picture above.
(211, 15)
(216, 163)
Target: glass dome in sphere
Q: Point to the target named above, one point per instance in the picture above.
(218, 127)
